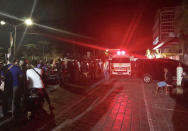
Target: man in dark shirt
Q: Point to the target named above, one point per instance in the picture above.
(7, 78)
(15, 73)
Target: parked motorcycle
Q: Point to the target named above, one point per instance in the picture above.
(34, 101)
(52, 76)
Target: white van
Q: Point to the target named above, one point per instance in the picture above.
(120, 65)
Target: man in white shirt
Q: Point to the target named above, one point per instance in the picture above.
(34, 78)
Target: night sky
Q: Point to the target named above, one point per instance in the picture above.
(107, 23)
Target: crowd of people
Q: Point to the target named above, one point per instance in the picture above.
(19, 75)
(79, 70)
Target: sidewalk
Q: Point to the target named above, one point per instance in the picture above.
(168, 113)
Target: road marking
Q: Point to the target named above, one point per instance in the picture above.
(83, 86)
(52, 88)
(74, 85)
(95, 84)
(175, 110)
(150, 122)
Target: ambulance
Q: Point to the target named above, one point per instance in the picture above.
(120, 62)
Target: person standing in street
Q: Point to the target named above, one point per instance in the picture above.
(179, 74)
(6, 77)
(59, 71)
(23, 82)
(182, 74)
(12, 75)
(106, 70)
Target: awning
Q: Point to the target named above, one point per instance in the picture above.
(167, 43)
(171, 54)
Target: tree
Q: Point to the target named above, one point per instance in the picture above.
(182, 26)
(30, 49)
(2, 49)
(182, 21)
(45, 45)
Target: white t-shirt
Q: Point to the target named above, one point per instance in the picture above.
(179, 72)
(34, 79)
(106, 65)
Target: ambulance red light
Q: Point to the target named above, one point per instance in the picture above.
(118, 52)
(123, 52)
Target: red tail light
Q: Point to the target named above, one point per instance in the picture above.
(112, 66)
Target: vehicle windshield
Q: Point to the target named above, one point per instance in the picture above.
(121, 60)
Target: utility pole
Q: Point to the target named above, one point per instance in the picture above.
(14, 41)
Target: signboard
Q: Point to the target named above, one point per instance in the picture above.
(156, 41)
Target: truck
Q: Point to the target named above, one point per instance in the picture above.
(120, 63)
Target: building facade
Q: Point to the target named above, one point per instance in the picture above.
(165, 38)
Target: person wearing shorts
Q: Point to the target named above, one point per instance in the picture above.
(163, 84)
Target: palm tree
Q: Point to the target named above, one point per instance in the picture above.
(30, 48)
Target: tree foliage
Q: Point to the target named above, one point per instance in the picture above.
(30, 49)
(182, 21)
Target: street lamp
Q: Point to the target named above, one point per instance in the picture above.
(3, 22)
(27, 22)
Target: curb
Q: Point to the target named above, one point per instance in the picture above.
(52, 88)
(92, 85)
(5, 121)
(75, 85)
